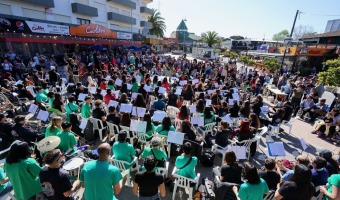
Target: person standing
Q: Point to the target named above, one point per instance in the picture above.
(55, 180)
(100, 179)
(149, 182)
(23, 170)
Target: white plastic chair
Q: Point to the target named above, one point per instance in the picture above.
(5, 196)
(162, 170)
(245, 143)
(172, 112)
(178, 124)
(187, 103)
(152, 99)
(131, 134)
(167, 149)
(96, 127)
(288, 124)
(270, 195)
(258, 136)
(196, 114)
(113, 129)
(31, 89)
(142, 138)
(206, 129)
(184, 182)
(121, 165)
(218, 149)
(274, 130)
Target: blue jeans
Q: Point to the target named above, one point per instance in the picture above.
(155, 197)
(8, 189)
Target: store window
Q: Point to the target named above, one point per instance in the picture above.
(81, 21)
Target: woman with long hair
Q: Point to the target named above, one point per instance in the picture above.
(245, 109)
(245, 131)
(183, 113)
(23, 171)
(188, 93)
(150, 127)
(55, 128)
(299, 187)
(254, 187)
(165, 127)
(234, 109)
(58, 103)
(254, 121)
(139, 101)
(208, 115)
(125, 119)
(190, 136)
(200, 106)
(231, 170)
(123, 98)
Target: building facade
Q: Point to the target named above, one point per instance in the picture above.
(332, 25)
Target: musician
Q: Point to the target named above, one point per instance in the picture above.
(67, 138)
(86, 108)
(5, 130)
(24, 131)
(100, 179)
(55, 180)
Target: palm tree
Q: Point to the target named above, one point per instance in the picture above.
(211, 38)
(158, 24)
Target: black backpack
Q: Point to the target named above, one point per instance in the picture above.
(207, 159)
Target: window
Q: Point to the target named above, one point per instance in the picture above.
(83, 21)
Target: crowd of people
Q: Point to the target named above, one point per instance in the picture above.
(100, 85)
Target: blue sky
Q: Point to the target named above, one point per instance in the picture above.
(250, 18)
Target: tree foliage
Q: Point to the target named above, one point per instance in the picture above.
(158, 25)
(271, 64)
(233, 55)
(251, 62)
(236, 37)
(211, 38)
(244, 59)
(280, 35)
(332, 75)
(303, 30)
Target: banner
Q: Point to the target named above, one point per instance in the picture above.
(92, 30)
(38, 27)
(124, 36)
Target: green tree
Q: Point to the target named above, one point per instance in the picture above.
(233, 55)
(211, 38)
(271, 64)
(280, 35)
(158, 24)
(251, 62)
(332, 75)
(244, 60)
(236, 37)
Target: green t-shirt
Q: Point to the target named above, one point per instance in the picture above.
(67, 140)
(189, 170)
(123, 151)
(150, 132)
(99, 178)
(253, 192)
(160, 130)
(2, 177)
(41, 97)
(110, 87)
(134, 87)
(50, 101)
(159, 154)
(70, 107)
(45, 91)
(24, 177)
(54, 132)
(333, 180)
(208, 120)
(85, 110)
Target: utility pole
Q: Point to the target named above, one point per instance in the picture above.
(290, 36)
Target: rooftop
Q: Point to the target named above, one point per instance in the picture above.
(182, 26)
(329, 34)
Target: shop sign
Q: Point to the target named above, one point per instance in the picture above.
(92, 30)
(38, 27)
(13, 25)
(124, 36)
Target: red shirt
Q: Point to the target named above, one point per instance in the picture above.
(102, 86)
(109, 97)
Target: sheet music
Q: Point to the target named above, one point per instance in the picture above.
(138, 111)
(147, 88)
(108, 77)
(236, 96)
(231, 102)
(118, 82)
(125, 108)
(195, 81)
(208, 102)
(161, 90)
(235, 90)
(138, 126)
(92, 90)
(81, 97)
(198, 120)
(83, 123)
(112, 103)
(211, 91)
(264, 109)
(116, 93)
(192, 108)
(103, 92)
(216, 85)
(227, 119)
(43, 115)
(129, 86)
(158, 116)
(33, 109)
(276, 149)
(181, 83)
(303, 144)
(138, 79)
(134, 95)
(175, 137)
(240, 151)
(178, 91)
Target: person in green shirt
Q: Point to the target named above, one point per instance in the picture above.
(50, 97)
(209, 116)
(110, 84)
(155, 151)
(5, 185)
(333, 191)
(85, 108)
(23, 171)
(67, 138)
(134, 85)
(150, 127)
(188, 160)
(55, 128)
(122, 150)
(100, 179)
(40, 97)
(165, 127)
(71, 107)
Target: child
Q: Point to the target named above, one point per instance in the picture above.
(85, 108)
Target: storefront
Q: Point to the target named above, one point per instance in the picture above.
(27, 37)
